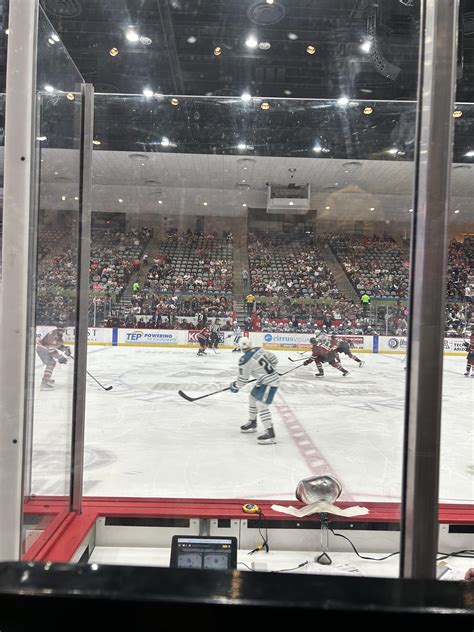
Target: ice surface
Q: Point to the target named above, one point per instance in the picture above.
(143, 440)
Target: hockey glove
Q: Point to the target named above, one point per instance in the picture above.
(234, 388)
(308, 361)
(62, 360)
(67, 351)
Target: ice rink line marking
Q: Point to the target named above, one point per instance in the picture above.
(316, 463)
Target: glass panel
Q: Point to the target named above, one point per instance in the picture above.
(271, 202)
(56, 196)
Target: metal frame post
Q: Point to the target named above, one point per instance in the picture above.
(82, 306)
(16, 332)
(433, 163)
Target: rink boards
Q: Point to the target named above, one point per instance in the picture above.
(117, 337)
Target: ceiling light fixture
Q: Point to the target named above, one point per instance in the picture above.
(410, 210)
(146, 41)
(51, 41)
(132, 35)
(76, 198)
(372, 208)
(457, 113)
(165, 142)
(191, 39)
(264, 45)
(318, 149)
(41, 138)
(245, 96)
(217, 51)
(120, 200)
(244, 204)
(204, 203)
(456, 211)
(366, 46)
(49, 88)
(96, 141)
(113, 52)
(70, 96)
(147, 92)
(343, 101)
(242, 146)
(160, 201)
(292, 36)
(469, 154)
(55, 37)
(368, 109)
(310, 50)
(291, 203)
(63, 198)
(328, 208)
(174, 101)
(251, 42)
(269, 1)
(265, 105)
(392, 151)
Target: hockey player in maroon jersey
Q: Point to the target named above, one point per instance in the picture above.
(203, 339)
(470, 355)
(344, 346)
(322, 352)
(48, 349)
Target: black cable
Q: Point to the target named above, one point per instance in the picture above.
(264, 544)
(364, 557)
(462, 553)
(286, 570)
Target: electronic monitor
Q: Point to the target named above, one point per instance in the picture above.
(196, 551)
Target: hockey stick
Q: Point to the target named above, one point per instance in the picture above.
(106, 388)
(297, 360)
(222, 390)
(194, 399)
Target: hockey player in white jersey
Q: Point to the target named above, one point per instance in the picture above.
(237, 336)
(259, 363)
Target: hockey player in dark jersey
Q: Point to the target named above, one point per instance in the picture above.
(344, 346)
(322, 352)
(48, 349)
(469, 346)
(203, 339)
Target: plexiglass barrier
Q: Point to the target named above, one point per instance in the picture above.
(57, 143)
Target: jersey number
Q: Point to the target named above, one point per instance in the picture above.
(266, 365)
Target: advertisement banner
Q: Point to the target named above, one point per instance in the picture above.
(147, 337)
(192, 336)
(399, 344)
(95, 335)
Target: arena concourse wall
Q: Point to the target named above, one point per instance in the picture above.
(115, 337)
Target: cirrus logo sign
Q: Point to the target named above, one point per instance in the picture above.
(268, 337)
(393, 343)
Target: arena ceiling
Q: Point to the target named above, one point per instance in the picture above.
(191, 184)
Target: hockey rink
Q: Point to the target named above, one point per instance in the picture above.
(144, 440)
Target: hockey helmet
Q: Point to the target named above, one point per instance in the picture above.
(312, 341)
(244, 343)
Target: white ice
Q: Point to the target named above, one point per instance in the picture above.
(143, 440)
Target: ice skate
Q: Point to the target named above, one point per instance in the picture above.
(361, 364)
(251, 426)
(46, 386)
(268, 437)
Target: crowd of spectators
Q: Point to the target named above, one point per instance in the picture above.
(114, 256)
(192, 262)
(460, 280)
(283, 266)
(377, 265)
